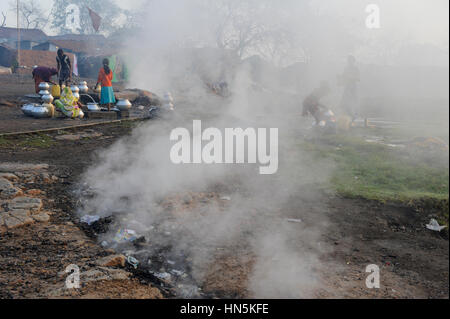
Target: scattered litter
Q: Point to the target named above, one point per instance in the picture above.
(434, 225)
(380, 141)
(162, 275)
(178, 273)
(133, 261)
(290, 220)
(226, 198)
(170, 262)
(125, 235)
(104, 243)
(90, 219)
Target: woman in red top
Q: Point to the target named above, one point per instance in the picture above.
(105, 76)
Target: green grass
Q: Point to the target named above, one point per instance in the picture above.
(34, 141)
(378, 172)
(3, 142)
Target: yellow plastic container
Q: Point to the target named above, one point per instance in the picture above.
(56, 91)
(50, 108)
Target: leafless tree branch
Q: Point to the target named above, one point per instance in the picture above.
(3, 19)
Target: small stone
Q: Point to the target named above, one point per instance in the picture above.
(2, 218)
(46, 178)
(34, 192)
(7, 189)
(93, 275)
(112, 261)
(26, 203)
(68, 137)
(9, 176)
(118, 274)
(19, 167)
(19, 213)
(13, 222)
(41, 217)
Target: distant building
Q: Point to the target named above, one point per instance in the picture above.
(7, 55)
(28, 37)
(39, 49)
(47, 46)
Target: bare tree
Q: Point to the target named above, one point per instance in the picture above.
(248, 27)
(3, 20)
(239, 26)
(32, 14)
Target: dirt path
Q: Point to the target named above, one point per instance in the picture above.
(412, 259)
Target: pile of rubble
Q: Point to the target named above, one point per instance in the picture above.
(20, 207)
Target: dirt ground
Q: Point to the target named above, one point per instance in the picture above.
(413, 260)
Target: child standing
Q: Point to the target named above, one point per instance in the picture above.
(105, 76)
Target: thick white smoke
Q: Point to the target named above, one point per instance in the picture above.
(177, 51)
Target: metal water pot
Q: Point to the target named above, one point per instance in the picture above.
(83, 87)
(44, 86)
(75, 89)
(48, 98)
(44, 92)
(27, 109)
(40, 111)
(123, 104)
(93, 107)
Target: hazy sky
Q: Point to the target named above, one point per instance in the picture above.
(422, 21)
(5, 6)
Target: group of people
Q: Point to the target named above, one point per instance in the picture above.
(313, 106)
(64, 72)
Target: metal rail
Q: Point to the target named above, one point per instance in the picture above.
(49, 130)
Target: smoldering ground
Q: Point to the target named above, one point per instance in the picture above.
(246, 213)
(239, 213)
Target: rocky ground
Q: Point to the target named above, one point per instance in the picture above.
(38, 241)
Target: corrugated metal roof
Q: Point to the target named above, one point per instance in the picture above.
(25, 34)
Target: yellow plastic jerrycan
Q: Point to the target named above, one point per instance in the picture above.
(56, 91)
